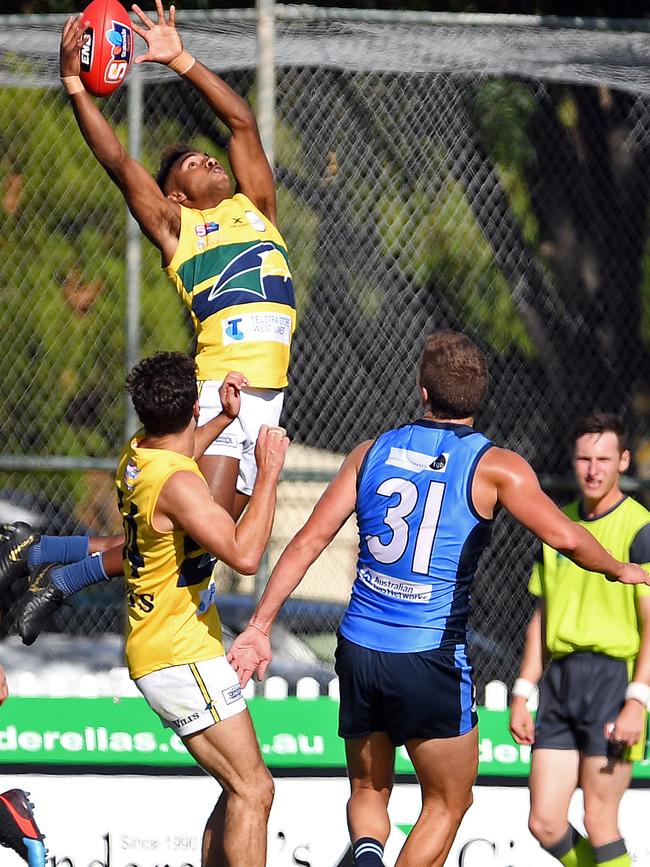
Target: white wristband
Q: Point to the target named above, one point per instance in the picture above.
(523, 688)
(638, 691)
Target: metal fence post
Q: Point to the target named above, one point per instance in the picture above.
(266, 76)
(135, 107)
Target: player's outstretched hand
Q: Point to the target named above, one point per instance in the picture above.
(631, 573)
(72, 39)
(162, 38)
(230, 393)
(271, 450)
(521, 725)
(250, 654)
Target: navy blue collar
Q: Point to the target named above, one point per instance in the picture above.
(445, 425)
(604, 515)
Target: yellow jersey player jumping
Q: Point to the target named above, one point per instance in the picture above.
(220, 247)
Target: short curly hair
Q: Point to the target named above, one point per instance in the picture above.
(454, 372)
(167, 159)
(163, 391)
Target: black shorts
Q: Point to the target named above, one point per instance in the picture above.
(578, 696)
(407, 695)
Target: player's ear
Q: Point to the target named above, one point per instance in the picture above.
(196, 411)
(624, 463)
(177, 197)
(424, 395)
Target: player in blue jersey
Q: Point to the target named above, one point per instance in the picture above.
(424, 497)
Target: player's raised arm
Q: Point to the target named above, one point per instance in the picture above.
(185, 501)
(518, 490)
(248, 162)
(159, 218)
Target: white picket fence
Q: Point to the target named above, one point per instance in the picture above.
(117, 684)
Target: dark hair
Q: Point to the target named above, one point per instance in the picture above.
(454, 372)
(600, 423)
(163, 392)
(167, 160)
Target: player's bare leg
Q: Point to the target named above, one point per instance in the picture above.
(212, 851)
(603, 787)
(100, 544)
(112, 559)
(220, 472)
(235, 835)
(553, 780)
(446, 769)
(370, 764)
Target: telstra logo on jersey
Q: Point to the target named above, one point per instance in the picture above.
(232, 329)
(250, 271)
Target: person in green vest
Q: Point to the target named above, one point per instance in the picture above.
(591, 722)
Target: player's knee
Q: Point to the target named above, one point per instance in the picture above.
(255, 793)
(368, 789)
(460, 807)
(544, 829)
(267, 793)
(261, 791)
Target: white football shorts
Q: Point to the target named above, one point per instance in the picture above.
(258, 406)
(192, 697)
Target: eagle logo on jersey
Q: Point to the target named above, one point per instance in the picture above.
(249, 269)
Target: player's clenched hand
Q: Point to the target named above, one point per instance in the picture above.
(229, 393)
(271, 449)
(162, 38)
(521, 725)
(629, 723)
(71, 41)
(249, 654)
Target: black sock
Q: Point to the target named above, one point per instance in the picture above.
(368, 852)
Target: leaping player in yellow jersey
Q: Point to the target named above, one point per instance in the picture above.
(173, 646)
(222, 251)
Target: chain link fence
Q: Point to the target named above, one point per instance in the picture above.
(432, 172)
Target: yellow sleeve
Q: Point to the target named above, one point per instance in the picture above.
(643, 589)
(535, 583)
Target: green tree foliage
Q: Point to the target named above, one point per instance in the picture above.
(62, 275)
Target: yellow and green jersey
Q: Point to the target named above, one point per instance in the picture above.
(172, 615)
(585, 611)
(232, 272)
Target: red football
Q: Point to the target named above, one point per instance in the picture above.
(107, 51)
